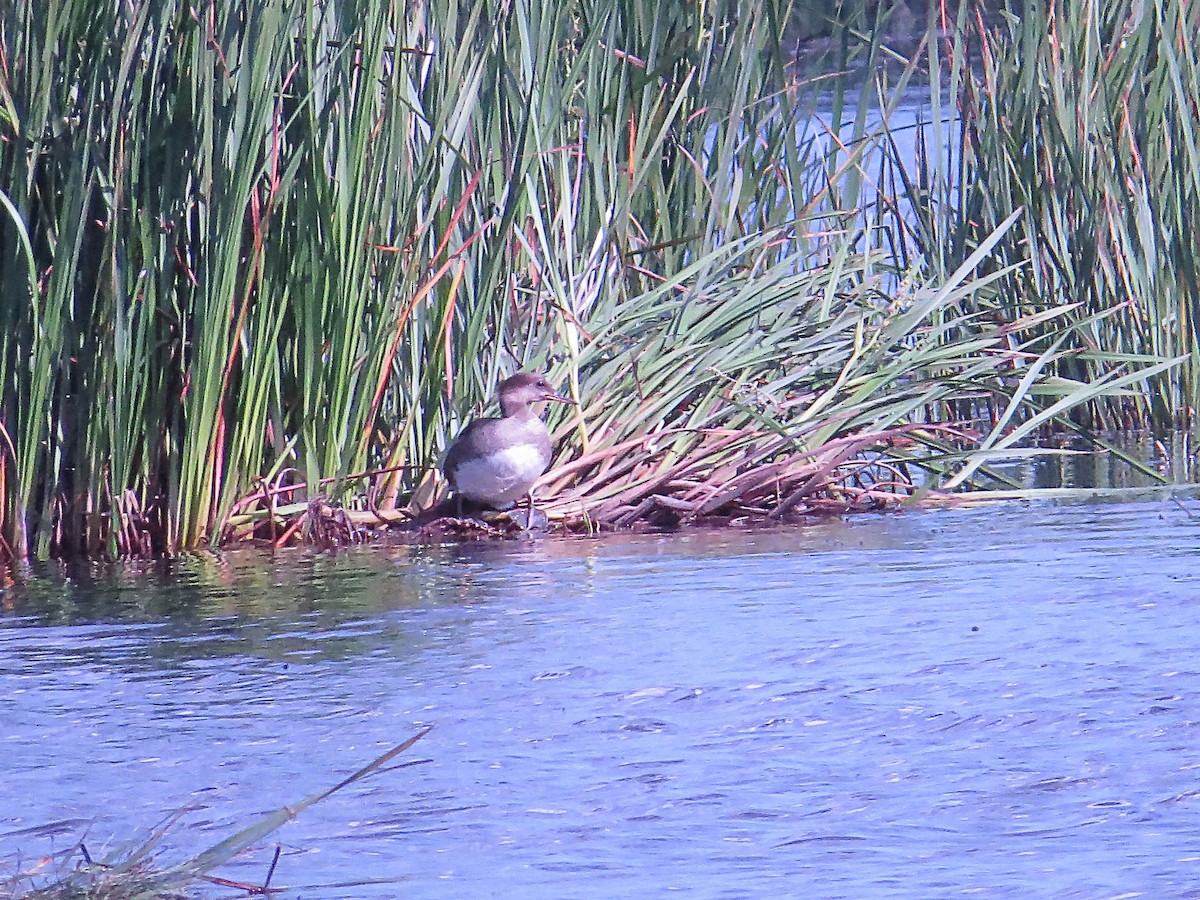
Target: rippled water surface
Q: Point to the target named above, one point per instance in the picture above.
(989, 702)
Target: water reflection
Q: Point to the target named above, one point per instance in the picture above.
(911, 705)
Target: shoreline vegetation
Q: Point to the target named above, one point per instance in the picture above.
(261, 260)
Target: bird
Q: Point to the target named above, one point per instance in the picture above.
(496, 460)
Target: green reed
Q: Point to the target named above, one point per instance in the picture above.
(1083, 114)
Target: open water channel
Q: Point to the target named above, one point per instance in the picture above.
(996, 702)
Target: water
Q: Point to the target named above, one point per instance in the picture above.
(995, 702)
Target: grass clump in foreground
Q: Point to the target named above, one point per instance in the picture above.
(262, 260)
(135, 875)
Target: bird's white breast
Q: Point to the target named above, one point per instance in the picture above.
(500, 478)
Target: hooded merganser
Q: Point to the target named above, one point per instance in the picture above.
(495, 461)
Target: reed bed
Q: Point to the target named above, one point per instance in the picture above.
(1084, 115)
(263, 259)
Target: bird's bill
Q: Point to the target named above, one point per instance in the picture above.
(558, 398)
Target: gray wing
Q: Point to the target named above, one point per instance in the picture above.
(460, 448)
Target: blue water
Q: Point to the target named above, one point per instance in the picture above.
(995, 702)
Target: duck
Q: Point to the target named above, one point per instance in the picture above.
(495, 461)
